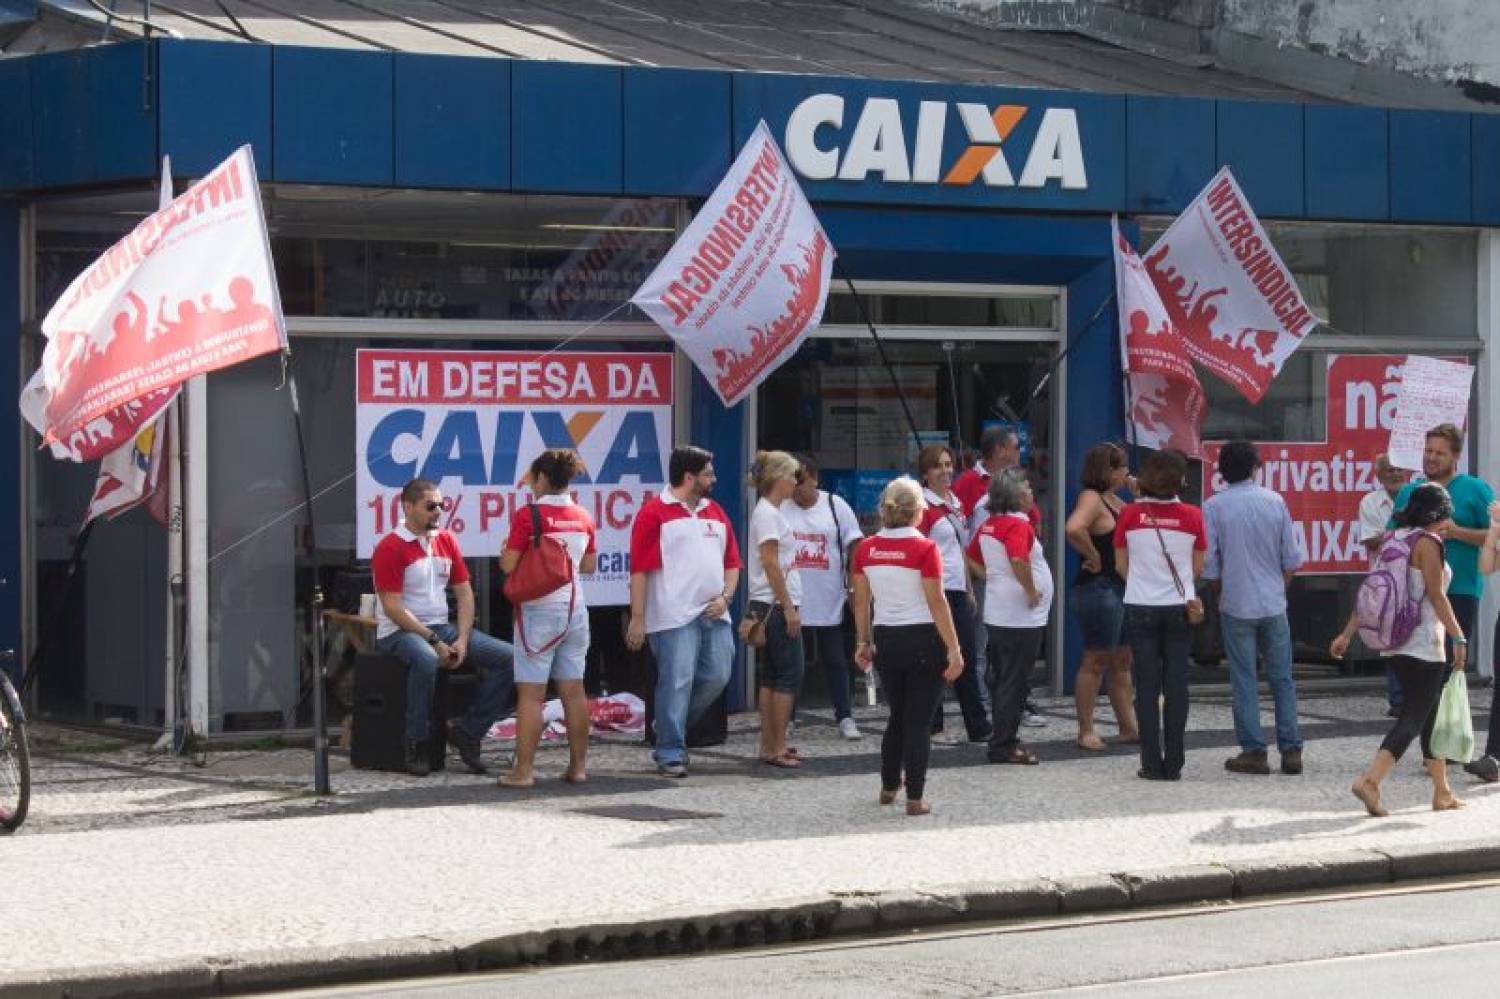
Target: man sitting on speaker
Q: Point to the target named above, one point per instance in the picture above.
(413, 567)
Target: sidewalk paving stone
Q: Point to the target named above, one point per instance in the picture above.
(131, 859)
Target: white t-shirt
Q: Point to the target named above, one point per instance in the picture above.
(767, 524)
(821, 545)
(1004, 537)
(1374, 513)
(1426, 641)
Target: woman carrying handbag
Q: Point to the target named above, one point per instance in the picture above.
(1159, 547)
(551, 541)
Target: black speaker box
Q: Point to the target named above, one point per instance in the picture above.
(378, 737)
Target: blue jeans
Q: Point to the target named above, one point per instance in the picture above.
(1272, 636)
(828, 642)
(1159, 642)
(693, 663)
(981, 647)
(491, 659)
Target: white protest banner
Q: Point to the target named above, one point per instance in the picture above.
(1433, 391)
(473, 421)
(1233, 301)
(1164, 402)
(132, 472)
(189, 290)
(747, 281)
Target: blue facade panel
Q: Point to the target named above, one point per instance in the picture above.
(676, 130)
(567, 127)
(1484, 180)
(10, 423)
(1430, 167)
(16, 171)
(123, 109)
(1262, 143)
(215, 97)
(452, 122)
(333, 116)
(1100, 129)
(60, 118)
(1169, 146)
(1348, 163)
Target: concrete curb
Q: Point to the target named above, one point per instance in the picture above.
(820, 917)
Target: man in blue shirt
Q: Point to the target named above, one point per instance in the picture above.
(1471, 517)
(1252, 553)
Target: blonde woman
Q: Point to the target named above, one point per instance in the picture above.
(910, 637)
(776, 598)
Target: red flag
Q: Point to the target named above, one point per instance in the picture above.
(1164, 401)
(1235, 303)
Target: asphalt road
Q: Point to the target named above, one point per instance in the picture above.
(1409, 941)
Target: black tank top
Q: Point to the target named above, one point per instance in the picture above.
(1104, 544)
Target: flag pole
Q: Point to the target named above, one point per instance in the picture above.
(859, 305)
(321, 784)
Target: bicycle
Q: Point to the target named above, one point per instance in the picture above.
(15, 755)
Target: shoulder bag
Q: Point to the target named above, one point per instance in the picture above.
(544, 567)
(1192, 608)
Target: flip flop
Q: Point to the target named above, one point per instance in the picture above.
(784, 762)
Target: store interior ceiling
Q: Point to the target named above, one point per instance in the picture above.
(1076, 45)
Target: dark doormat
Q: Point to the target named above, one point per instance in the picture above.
(644, 813)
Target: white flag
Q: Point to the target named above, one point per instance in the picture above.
(747, 282)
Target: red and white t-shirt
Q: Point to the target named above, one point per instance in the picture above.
(684, 554)
(1150, 581)
(1000, 539)
(562, 519)
(895, 562)
(421, 570)
(943, 522)
(973, 488)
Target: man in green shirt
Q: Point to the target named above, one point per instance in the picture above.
(1471, 501)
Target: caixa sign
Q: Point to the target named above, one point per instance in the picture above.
(830, 137)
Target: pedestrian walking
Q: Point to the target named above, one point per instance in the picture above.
(775, 602)
(825, 531)
(1420, 661)
(413, 568)
(1252, 555)
(1375, 509)
(684, 569)
(910, 637)
(1159, 546)
(943, 520)
(1465, 533)
(1018, 600)
(551, 631)
(1098, 595)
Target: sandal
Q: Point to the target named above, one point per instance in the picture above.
(888, 797)
(1090, 743)
(1020, 757)
(784, 761)
(918, 808)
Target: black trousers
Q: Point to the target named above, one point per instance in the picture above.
(1421, 690)
(1011, 654)
(976, 720)
(1159, 643)
(910, 659)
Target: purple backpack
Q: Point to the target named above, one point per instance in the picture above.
(1385, 608)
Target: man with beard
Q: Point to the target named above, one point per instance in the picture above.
(684, 569)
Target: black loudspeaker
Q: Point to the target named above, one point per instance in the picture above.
(378, 737)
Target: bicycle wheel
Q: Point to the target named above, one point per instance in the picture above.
(15, 760)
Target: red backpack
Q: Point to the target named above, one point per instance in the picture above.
(544, 567)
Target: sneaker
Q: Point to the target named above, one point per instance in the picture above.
(1248, 762)
(467, 748)
(1291, 762)
(675, 770)
(849, 730)
(1486, 768)
(1031, 719)
(417, 762)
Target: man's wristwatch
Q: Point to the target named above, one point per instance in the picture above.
(433, 639)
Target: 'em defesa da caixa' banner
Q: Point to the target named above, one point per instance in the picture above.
(473, 421)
